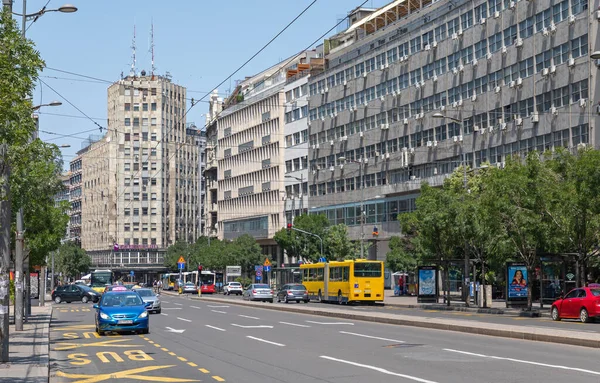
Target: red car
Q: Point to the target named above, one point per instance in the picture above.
(582, 303)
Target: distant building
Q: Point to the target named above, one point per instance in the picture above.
(211, 227)
(63, 197)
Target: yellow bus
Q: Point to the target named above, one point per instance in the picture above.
(345, 281)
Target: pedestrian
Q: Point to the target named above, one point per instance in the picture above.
(159, 285)
(155, 286)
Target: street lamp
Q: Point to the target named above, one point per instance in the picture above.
(66, 8)
(595, 55)
(301, 180)
(464, 164)
(52, 103)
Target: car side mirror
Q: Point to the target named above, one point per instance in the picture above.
(148, 304)
(96, 306)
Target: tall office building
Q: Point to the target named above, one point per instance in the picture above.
(251, 155)
(215, 106)
(508, 76)
(141, 189)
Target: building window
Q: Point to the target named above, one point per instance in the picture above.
(153, 196)
(127, 212)
(136, 107)
(127, 121)
(153, 211)
(145, 107)
(127, 106)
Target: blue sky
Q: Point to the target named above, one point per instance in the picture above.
(198, 42)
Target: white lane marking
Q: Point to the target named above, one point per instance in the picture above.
(215, 307)
(183, 319)
(164, 314)
(378, 369)
(260, 326)
(372, 337)
(215, 328)
(166, 302)
(348, 323)
(248, 316)
(171, 308)
(169, 329)
(178, 304)
(266, 341)
(294, 324)
(220, 312)
(195, 307)
(524, 361)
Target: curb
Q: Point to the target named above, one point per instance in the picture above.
(549, 335)
(491, 311)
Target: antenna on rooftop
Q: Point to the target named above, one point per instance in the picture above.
(132, 72)
(153, 68)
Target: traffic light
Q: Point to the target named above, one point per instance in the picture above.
(289, 228)
(375, 231)
(199, 268)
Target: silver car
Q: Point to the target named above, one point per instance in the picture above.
(258, 292)
(233, 288)
(149, 296)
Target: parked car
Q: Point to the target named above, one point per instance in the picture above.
(582, 303)
(189, 287)
(115, 288)
(148, 296)
(74, 293)
(292, 292)
(120, 311)
(258, 292)
(233, 288)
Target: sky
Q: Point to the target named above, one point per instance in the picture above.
(199, 42)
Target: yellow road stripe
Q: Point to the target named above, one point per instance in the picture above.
(218, 378)
(204, 370)
(165, 349)
(181, 358)
(172, 353)
(192, 364)
(151, 342)
(156, 345)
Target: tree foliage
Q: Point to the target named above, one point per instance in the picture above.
(401, 256)
(72, 260)
(304, 246)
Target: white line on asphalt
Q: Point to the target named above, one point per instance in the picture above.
(348, 323)
(195, 307)
(214, 307)
(220, 312)
(524, 361)
(164, 314)
(178, 304)
(166, 302)
(371, 337)
(259, 326)
(294, 324)
(266, 341)
(183, 319)
(248, 316)
(171, 308)
(215, 328)
(378, 369)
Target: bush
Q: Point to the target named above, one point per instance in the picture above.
(244, 281)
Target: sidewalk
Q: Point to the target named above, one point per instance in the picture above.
(498, 307)
(29, 349)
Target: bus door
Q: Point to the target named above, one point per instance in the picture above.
(326, 281)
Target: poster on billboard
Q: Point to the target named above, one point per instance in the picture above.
(428, 288)
(517, 287)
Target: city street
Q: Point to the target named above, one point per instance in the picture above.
(202, 341)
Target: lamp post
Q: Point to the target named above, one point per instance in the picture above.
(301, 179)
(465, 291)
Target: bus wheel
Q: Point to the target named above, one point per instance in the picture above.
(320, 297)
(340, 298)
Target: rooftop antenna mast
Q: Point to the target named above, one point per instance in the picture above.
(152, 46)
(132, 72)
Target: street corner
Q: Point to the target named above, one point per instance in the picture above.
(80, 355)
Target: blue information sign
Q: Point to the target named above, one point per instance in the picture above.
(131, 273)
(266, 269)
(258, 277)
(180, 265)
(258, 267)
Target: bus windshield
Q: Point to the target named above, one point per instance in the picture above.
(101, 279)
(207, 279)
(367, 269)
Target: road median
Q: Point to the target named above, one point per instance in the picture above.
(551, 335)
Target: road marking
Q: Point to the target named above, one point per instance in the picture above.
(195, 307)
(259, 326)
(348, 323)
(165, 349)
(169, 329)
(183, 319)
(378, 369)
(156, 345)
(74, 327)
(372, 337)
(192, 364)
(204, 370)
(218, 378)
(133, 374)
(104, 343)
(171, 308)
(178, 304)
(172, 353)
(220, 312)
(248, 316)
(164, 314)
(524, 361)
(166, 302)
(181, 358)
(215, 328)
(294, 324)
(149, 341)
(266, 341)
(214, 307)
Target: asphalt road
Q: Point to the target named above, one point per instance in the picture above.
(543, 322)
(221, 342)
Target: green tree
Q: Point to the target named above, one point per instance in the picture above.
(400, 257)
(72, 260)
(337, 244)
(246, 252)
(176, 250)
(300, 245)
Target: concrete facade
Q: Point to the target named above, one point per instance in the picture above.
(515, 75)
(211, 226)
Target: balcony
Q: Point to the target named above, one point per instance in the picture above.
(212, 184)
(212, 207)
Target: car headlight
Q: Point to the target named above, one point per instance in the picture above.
(143, 315)
(104, 316)
(157, 302)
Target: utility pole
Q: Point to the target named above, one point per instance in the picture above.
(19, 274)
(361, 177)
(5, 218)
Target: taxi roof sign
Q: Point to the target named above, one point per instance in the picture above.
(181, 260)
(267, 262)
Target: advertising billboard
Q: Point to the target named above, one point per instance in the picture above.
(516, 282)
(428, 287)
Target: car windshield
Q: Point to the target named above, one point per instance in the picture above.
(595, 292)
(189, 284)
(235, 284)
(297, 287)
(115, 300)
(84, 288)
(145, 293)
(367, 269)
(262, 286)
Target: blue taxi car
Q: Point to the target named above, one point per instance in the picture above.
(121, 311)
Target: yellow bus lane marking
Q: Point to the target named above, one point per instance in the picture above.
(204, 370)
(73, 327)
(165, 349)
(132, 374)
(105, 343)
(192, 364)
(218, 378)
(181, 358)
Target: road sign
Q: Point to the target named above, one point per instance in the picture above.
(258, 267)
(233, 271)
(131, 273)
(180, 265)
(181, 260)
(322, 259)
(267, 262)
(266, 269)
(258, 278)
(258, 273)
